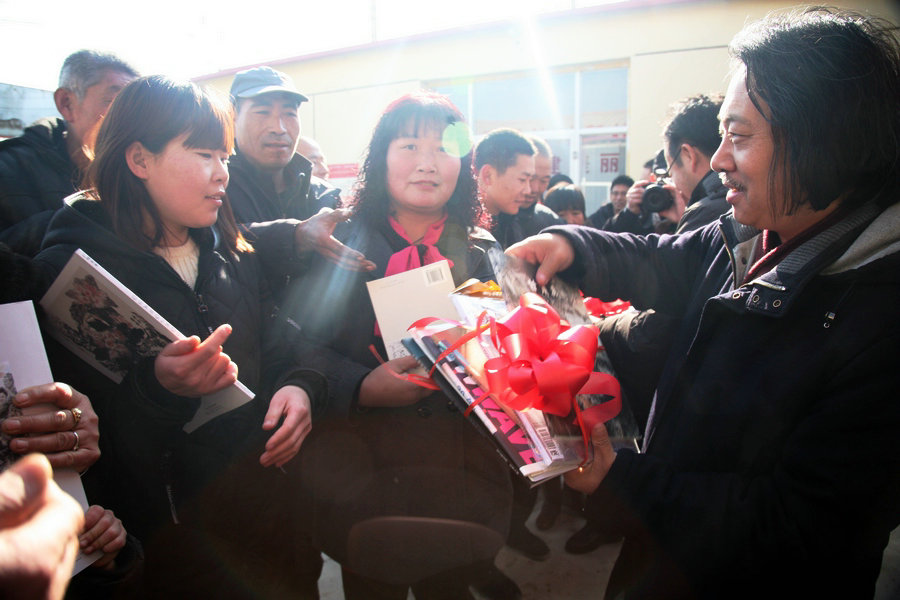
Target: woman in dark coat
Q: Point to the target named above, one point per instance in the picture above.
(209, 504)
(388, 446)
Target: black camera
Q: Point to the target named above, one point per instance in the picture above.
(656, 198)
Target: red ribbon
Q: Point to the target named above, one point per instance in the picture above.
(544, 363)
(420, 380)
(599, 308)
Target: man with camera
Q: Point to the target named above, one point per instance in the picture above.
(687, 194)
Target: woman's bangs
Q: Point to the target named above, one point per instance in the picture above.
(211, 125)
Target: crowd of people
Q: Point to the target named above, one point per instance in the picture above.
(759, 252)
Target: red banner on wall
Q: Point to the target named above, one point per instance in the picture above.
(343, 170)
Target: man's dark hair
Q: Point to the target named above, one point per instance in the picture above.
(85, 68)
(500, 148)
(557, 178)
(694, 121)
(827, 81)
(541, 147)
(621, 180)
(564, 196)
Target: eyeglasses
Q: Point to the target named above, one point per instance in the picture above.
(667, 172)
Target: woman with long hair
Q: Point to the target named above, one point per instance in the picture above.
(155, 215)
(388, 446)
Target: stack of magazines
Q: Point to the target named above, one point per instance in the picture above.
(538, 445)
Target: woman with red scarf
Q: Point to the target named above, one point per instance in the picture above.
(387, 446)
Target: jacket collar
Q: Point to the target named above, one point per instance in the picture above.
(48, 135)
(708, 186)
(297, 174)
(207, 238)
(774, 291)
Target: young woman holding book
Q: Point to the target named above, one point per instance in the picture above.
(208, 506)
(388, 446)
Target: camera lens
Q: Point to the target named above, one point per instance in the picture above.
(656, 198)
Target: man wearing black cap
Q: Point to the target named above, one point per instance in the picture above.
(272, 191)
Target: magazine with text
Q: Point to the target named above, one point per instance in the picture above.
(519, 441)
(512, 441)
(557, 442)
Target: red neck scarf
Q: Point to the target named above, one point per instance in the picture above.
(410, 257)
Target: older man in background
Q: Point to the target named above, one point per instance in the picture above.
(44, 165)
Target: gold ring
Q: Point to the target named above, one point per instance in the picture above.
(75, 447)
(76, 416)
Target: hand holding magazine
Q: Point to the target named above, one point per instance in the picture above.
(101, 321)
(23, 363)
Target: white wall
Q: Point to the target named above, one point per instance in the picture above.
(673, 50)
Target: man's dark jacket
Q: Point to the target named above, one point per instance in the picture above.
(537, 216)
(603, 214)
(706, 205)
(639, 341)
(36, 173)
(629, 222)
(771, 465)
(269, 218)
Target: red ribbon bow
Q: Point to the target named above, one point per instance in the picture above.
(544, 363)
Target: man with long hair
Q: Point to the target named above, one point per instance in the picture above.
(771, 460)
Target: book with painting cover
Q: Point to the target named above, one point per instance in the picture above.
(101, 321)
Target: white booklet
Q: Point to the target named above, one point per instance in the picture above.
(23, 363)
(402, 299)
(102, 322)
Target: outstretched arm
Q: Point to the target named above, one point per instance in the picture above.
(316, 234)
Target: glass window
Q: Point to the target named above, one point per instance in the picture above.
(524, 103)
(604, 98)
(603, 158)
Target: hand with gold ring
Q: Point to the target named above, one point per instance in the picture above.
(53, 432)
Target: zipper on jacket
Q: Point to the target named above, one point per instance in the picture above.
(203, 309)
(168, 478)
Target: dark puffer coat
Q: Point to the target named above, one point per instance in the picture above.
(772, 460)
(421, 460)
(269, 218)
(156, 475)
(36, 173)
